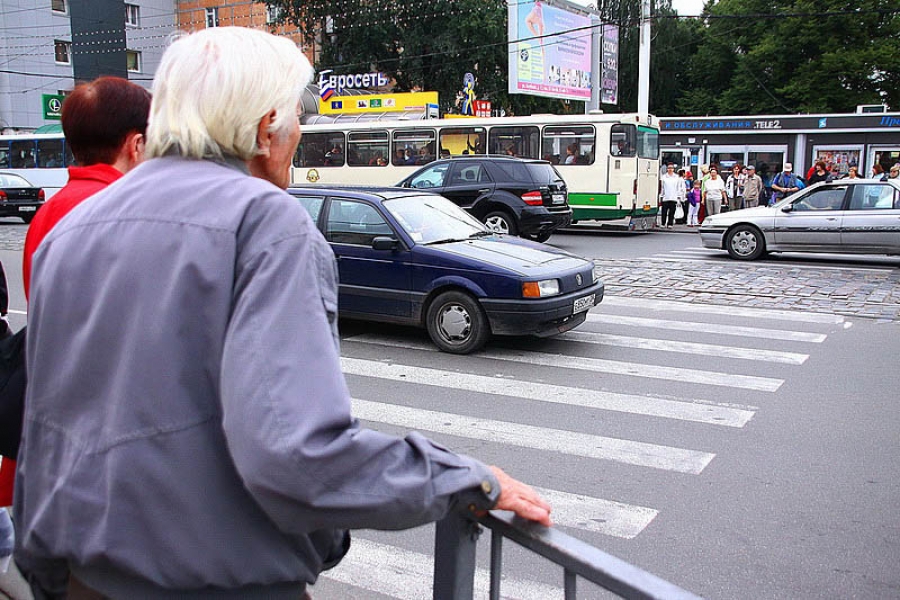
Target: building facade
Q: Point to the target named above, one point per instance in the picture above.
(47, 46)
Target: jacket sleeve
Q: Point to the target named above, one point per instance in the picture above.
(287, 409)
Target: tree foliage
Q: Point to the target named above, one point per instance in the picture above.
(763, 57)
(744, 57)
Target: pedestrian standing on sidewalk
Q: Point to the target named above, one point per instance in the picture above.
(191, 310)
(734, 186)
(695, 198)
(753, 188)
(671, 193)
(714, 192)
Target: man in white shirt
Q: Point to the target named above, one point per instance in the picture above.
(672, 192)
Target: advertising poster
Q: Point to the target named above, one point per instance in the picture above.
(609, 73)
(550, 51)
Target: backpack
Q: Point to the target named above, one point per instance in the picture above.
(13, 380)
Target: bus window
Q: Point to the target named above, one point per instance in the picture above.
(21, 154)
(514, 141)
(70, 158)
(4, 155)
(413, 146)
(320, 150)
(50, 154)
(367, 148)
(463, 140)
(568, 144)
(622, 140)
(648, 143)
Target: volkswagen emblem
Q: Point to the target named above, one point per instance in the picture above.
(578, 279)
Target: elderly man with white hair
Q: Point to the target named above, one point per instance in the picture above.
(188, 431)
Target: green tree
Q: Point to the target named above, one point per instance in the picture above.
(763, 57)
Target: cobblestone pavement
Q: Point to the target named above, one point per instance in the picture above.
(873, 293)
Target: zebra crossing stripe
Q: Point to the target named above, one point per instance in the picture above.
(730, 311)
(598, 365)
(406, 575)
(538, 438)
(606, 339)
(596, 514)
(698, 327)
(728, 416)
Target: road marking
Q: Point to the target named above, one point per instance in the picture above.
(754, 332)
(597, 365)
(728, 416)
(790, 358)
(407, 575)
(586, 445)
(713, 309)
(596, 514)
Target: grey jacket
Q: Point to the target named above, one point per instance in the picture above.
(188, 429)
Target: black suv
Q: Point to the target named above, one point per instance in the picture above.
(510, 195)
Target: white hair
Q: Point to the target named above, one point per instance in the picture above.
(214, 86)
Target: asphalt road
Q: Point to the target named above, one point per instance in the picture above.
(730, 427)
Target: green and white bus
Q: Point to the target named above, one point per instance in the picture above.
(610, 162)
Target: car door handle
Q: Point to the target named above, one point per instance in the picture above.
(484, 190)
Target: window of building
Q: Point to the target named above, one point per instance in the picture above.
(132, 15)
(133, 61)
(212, 17)
(273, 14)
(60, 6)
(63, 52)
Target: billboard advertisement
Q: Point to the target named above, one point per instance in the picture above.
(609, 82)
(549, 51)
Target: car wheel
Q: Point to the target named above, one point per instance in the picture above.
(745, 242)
(456, 323)
(501, 222)
(541, 237)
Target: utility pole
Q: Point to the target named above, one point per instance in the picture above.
(643, 104)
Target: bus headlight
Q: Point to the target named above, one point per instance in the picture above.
(540, 289)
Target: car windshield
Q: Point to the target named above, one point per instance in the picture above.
(11, 180)
(430, 219)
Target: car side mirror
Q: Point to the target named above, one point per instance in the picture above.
(788, 208)
(383, 242)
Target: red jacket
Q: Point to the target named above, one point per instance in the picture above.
(83, 182)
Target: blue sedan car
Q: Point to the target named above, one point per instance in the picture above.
(414, 258)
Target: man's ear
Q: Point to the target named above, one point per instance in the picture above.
(263, 134)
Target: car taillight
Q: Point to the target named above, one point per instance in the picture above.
(41, 194)
(533, 198)
(3, 196)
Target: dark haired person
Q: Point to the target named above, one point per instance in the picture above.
(104, 122)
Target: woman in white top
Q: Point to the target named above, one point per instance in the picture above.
(714, 192)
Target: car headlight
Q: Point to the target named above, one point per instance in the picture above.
(540, 289)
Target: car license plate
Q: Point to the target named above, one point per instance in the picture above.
(583, 304)
(646, 207)
(27, 208)
(559, 198)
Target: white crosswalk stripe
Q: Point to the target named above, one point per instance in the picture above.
(399, 573)
(794, 316)
(701, 327)
(539, 438)
(599, 365)
(726, 415)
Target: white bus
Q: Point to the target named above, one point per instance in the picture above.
(41, 158)
(610, 162)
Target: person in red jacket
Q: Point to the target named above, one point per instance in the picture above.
(104, 122)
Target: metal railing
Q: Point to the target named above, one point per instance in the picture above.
(455, 545)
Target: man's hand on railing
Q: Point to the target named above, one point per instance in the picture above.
(519, 498)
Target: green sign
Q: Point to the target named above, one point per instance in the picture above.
(52, 105)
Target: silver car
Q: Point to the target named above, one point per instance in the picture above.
(859, 216)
